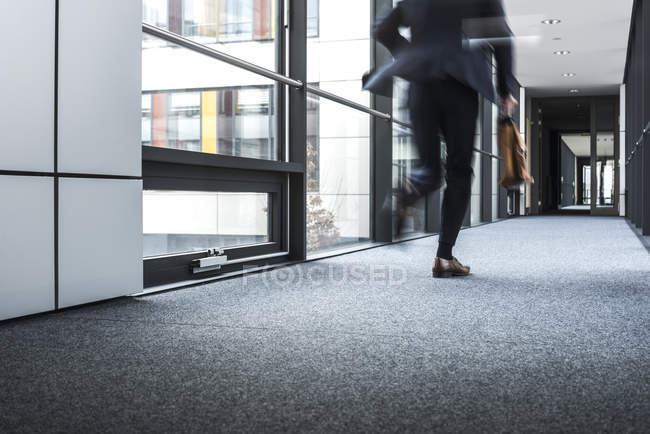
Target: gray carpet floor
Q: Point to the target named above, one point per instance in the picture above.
(551, 333)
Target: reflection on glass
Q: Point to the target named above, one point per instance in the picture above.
(605, 170)
(219, 23)
(475, 209)
(195, 103)
(243, 28)
(186, 221)
(405, 160)
(338, 48)
(586, 185)
(401, 99)
(313, 13)
(146, 120)
(575, 171)
(605, 153)
(338, 175)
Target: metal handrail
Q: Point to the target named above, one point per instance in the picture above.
(486, 153)
(403, 124)
(272, 75)
(480, 151)
(328, 95)
(638, 144)
(219, 55)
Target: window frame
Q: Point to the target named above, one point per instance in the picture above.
(177, 171)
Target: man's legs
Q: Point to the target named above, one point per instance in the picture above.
(425, 115)
(459, 107)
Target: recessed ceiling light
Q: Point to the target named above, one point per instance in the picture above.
(562, 52)
(551, 21)
(569, 74)
(557, 39)
(574, 90)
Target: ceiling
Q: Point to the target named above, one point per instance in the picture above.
(595, 31)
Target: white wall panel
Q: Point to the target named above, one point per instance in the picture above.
(99, 86)
(27, 245)
(27, 85)
(100, 239)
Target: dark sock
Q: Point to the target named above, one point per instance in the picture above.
(444, 250)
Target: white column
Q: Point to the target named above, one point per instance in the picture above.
(27, 247)
(27, 85)
(100, 239)
(100, 219)
(26, 148)
(100, 44)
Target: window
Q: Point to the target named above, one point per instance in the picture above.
(146, 120)
(312, 18)
(238, 122)
(225, 23)
(190, 221)
(405, 160)
(338, 175)
(155, 13)
(184, 121)
(195, 103)
(338, 137)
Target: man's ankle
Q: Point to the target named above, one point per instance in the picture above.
(444, 250)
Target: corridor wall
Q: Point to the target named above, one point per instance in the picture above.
(70, 154)
(637, 118)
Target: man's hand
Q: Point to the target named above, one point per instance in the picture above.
(509, 103)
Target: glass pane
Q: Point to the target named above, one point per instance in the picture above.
(338, 175)
(195, 103)
(405, 160)
(187, 221)
(495, 163)
(338, 46)
(475, 201)
(313, 14)
(401, 99)
(575, 171)
(605, 170)
(586, 189)
(243, 28)
(605, 154)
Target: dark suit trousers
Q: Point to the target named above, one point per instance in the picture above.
(448, 108)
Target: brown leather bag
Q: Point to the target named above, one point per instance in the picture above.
(513, 151)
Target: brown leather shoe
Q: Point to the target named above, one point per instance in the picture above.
(448, 267)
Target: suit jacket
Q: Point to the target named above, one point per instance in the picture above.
(449, 38)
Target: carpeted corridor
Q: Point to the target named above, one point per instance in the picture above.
(551, 332)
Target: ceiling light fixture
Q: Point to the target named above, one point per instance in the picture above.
(562, 52)
(551, 21)
(574, 90)
(569, 74)
(557, 38)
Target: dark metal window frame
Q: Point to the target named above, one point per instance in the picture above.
(179, 177)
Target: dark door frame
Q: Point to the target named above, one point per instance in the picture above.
(537, 127)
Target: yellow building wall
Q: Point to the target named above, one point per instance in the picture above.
(209, 122)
